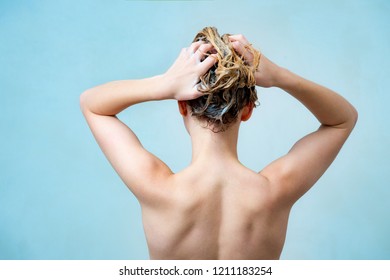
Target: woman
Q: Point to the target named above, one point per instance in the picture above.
(217, 208)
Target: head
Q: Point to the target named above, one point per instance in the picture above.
(228, 86)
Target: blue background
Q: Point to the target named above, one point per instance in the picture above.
(60, 198)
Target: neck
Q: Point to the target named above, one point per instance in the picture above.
(214, 147)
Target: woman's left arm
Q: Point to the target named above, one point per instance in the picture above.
(140, 170)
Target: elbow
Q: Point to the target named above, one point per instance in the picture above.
(350, 119)
(354, 116)
(84, 101)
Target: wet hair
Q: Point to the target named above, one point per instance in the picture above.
(228, 86)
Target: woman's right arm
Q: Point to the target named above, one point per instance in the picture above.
(297, 171)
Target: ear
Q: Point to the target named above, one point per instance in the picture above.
(247, 112)
(182, 107)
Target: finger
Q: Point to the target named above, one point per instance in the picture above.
(239, 47)
(239, 43)
(206, 64)
(245, 51)
(195, 93)
(206, 47)
(203, 50)
(240, 38)
(195, 46)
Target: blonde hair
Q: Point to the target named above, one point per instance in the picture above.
(228, 86)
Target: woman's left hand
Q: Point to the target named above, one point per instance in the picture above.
(182, 78)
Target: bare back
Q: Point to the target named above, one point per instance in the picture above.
(216, 215)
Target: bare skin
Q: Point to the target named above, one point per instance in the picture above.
(216, 208)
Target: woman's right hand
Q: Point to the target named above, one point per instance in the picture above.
(267, 72)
